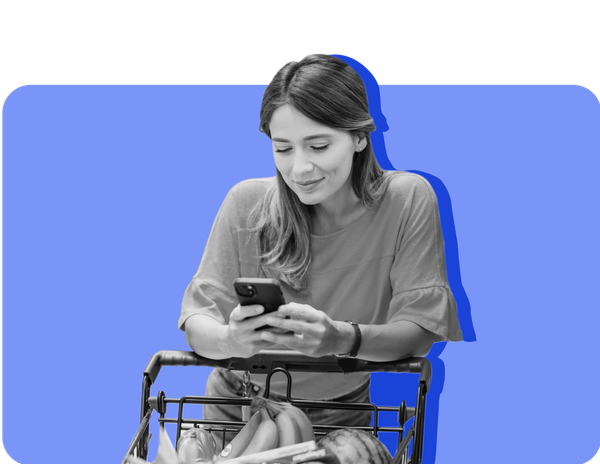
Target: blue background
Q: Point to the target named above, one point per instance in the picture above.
(109, 196)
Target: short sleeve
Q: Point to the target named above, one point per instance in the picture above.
(209, 292)
(230, 252)
(420, 290)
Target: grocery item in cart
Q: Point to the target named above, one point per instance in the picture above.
(274, 425)
(265, 438)
(282, 455)
(196, 444)
(289, 416)
(165, 454)
(241, 441)
(353, 445)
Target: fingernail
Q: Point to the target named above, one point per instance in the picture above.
(259, 309)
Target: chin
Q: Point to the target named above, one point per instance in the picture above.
(308, 201)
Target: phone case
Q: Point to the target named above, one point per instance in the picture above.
(265, 292)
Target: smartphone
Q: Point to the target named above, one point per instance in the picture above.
(264, 292)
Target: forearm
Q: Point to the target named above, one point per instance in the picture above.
(389, 342)
(207, 337)
(315, 334)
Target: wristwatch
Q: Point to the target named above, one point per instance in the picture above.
(356, 346)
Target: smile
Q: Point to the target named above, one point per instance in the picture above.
(308, 185)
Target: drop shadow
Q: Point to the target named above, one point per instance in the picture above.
(391, 389)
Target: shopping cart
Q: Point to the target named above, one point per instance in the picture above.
(270, 362)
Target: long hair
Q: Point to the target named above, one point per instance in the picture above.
(328, 91)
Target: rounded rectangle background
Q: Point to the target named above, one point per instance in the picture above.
(109, 196)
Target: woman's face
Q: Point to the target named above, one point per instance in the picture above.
(314, 160)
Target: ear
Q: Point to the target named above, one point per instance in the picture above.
(360, 143)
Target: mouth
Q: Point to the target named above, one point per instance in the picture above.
(308, 182)
(308, 185)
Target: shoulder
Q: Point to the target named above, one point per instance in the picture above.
(255, 187)
(245, 194)
(242, 199)
(406, 186)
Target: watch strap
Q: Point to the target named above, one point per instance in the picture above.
(357, 340)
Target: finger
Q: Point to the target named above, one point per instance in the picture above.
(291, 341)
(299, 311)
(256, 322)
(263, 345)
(240, 312)
(293, 325)
(277, 330)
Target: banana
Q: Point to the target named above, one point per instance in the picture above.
(303, 423)
(241, 441)
(305, 427)
(266, 437)
(288, 431)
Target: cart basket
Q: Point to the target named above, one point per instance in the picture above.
(270, 362)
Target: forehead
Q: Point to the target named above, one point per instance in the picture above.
(290, 124)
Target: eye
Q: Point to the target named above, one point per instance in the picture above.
(282, 150)
(320, 147)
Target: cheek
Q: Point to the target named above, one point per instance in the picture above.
(282, 165)
(343, 165)
(278, 163)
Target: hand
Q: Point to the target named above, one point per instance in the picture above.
(315, 333)
(242, 337)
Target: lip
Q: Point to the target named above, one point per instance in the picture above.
(308, 185)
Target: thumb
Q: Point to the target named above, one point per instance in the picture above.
(240, 313)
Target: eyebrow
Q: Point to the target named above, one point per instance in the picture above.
(310, 137)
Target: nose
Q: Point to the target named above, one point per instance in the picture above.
(302, 163)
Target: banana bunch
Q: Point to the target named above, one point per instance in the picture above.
(292, 424)
(274, 425)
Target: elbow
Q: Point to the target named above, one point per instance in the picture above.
(423, 351)
(193, 335)
(424, 344)
(189, 339)
(203, 335)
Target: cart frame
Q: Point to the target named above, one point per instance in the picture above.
(270, 362)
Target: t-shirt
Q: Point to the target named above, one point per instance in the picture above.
(386, 266)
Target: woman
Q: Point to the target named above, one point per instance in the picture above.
(359, 251)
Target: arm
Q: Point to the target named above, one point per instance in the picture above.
(321, 336)
(213, 322)
(206, 336)
(239, 339)
(390, 342)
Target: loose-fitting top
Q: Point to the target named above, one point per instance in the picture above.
(386, 266)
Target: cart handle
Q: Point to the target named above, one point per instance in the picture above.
(266, 361)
